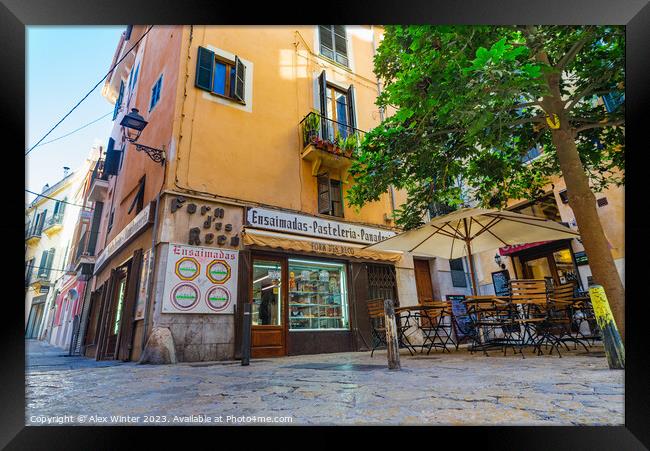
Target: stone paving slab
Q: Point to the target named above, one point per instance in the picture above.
(342, 388)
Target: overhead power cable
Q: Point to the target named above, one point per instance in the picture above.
(75, 131)
(58, 200)
(89, 92)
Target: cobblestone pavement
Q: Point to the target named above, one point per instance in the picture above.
(345, 388)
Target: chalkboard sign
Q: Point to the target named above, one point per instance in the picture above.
(501, 280)
(462, 322)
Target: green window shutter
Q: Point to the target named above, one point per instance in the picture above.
(240, 77)
(118, 102)
(204, 69)
(43, 264)
(62, 206)
(351, 119)
(50, 260)
(41, 222)
(111, 164)
(324, 199)
(322, 85)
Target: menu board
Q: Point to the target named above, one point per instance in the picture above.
(200, 280)
(462, 323)
(501, 282)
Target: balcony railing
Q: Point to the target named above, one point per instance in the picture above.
(33, 235)
(98, 172)
(330, 136)
(53, 221)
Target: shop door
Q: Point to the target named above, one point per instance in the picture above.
(268, 310)
(423, 280)
(116, 316)
(35, 315)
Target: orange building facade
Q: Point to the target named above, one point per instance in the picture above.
(258, 127)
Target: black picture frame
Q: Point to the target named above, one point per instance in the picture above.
(635, 14)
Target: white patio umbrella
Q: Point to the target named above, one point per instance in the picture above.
(470, 230)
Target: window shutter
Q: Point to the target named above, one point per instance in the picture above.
(322, 84)
(326, 40)
(50, 261)
(118, 102)
(204, 68)
(324, 200)
(340, 45)
(127, 33)
(111, 164)
(62, 206)
(351, 119)
(43, 265)
(240, 77)
(41, 222)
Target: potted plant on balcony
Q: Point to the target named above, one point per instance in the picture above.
(311, 128)
(349, 145)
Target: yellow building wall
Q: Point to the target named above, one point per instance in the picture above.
(254, 156)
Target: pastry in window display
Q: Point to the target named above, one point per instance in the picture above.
(292, 281)
(324, 275)
(333, 284)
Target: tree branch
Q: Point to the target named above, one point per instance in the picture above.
(585, 92)
(573, 51)
(600, 125)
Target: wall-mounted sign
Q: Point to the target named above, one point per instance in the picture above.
(200, 280)
(264, 218)
(123, 238)
(201, 223)
(581, 258)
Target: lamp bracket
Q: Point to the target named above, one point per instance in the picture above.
(157, 155)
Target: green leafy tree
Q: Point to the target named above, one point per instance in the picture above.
(470, 101)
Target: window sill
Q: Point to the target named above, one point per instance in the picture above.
(336, 63)
(231, 99)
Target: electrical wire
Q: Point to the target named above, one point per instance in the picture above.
(90, 92)
(74, 131)
(58, 200)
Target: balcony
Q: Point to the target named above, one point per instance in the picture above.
(98, 183)
(53, 225)
(32, 236)
(328, 144)
(85, 255)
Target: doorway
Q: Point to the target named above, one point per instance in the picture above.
(115, 319)
(555, 263)
(269, 307)
(35, 315)
(423, 280)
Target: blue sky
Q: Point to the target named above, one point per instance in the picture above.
(63, 63)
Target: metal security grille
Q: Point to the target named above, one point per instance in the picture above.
(381, 282)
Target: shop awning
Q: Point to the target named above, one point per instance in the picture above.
(508, 250)
(288, 242)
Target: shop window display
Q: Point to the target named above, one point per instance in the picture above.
(317, 295)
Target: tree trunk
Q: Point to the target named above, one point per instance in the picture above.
(581, 199)
(583, 203)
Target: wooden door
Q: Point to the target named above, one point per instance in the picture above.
(128, 312)
(268, 295)
(423, 280)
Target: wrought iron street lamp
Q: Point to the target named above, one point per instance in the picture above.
(132, 126)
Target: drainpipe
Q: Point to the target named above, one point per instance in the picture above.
(152, 269)
(391, 191)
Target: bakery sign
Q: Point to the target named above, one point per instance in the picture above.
(200, 280)
(263, 218)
